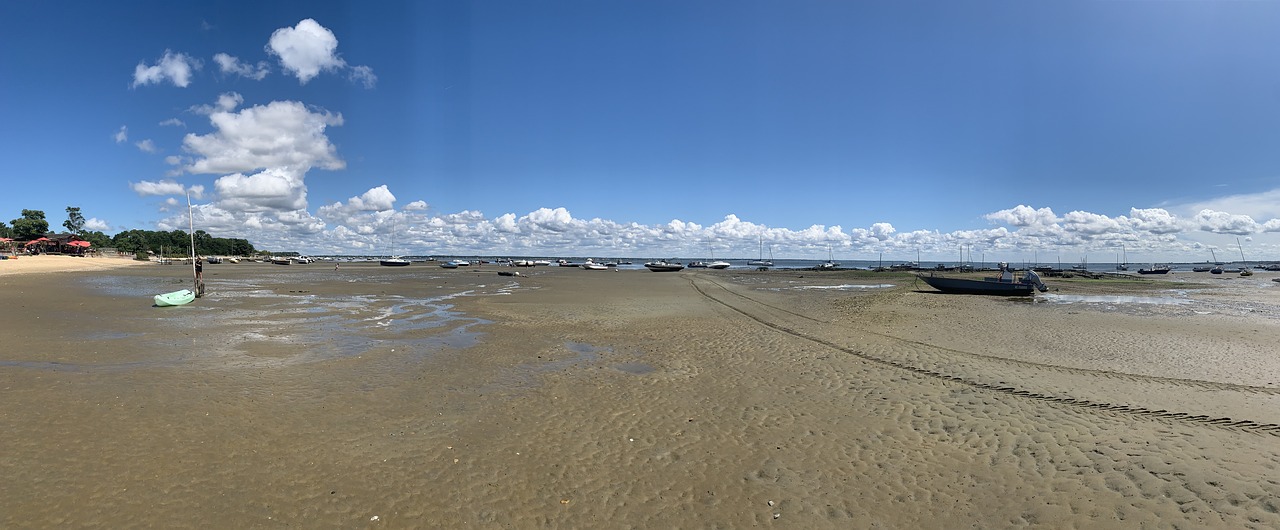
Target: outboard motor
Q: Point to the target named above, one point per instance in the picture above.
(1034, 279)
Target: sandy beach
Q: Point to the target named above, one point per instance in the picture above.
(417, 397)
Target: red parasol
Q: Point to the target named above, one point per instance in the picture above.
(85, 244)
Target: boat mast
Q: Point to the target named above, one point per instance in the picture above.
(191, 226)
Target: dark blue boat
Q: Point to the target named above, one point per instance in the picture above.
(1004, 285)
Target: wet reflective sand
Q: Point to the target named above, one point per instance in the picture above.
(307, 397)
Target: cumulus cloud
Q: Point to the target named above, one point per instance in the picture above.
(1024, 216)
(1225, 223)
(147, 146)
(355, 211)
(122, 135)
(95, 224)
(232, 65)
(1154, 220)
(172, 122)
(555, 220)
(175, 68)
(274, 189)
(279, 134)
(1089, 223)
(414, 206)
(309, 49)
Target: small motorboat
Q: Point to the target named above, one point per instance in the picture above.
(1156, 269)
(1004, 285)
(664, 266)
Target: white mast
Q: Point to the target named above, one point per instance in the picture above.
(191, 225)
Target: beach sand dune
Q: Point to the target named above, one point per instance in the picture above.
(415, 397)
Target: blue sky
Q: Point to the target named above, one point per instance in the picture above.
(1061, 129)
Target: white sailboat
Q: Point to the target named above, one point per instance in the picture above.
(1244, 269)
(830, 264)
(763, 262)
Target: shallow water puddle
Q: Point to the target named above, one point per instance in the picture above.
(1112, 299)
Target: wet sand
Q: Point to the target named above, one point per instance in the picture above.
(408, 397)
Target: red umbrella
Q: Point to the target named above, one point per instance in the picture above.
(85, 244)
(34, 241)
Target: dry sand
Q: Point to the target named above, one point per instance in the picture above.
(374, 397)
(49, 263)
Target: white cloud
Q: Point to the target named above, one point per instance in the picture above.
(226, 102)
(309, 49)
(231, 65)
(164, 187)
(1024, 216)
(95, 224)
(1154, 220)
(277, 189)
(1263, 205)
(364, 76)
(173, 67)
(415, 206)
(557, 220)
(172, 122)
(280, 134)
(1226, 223)
(1089, 223)
(306, 49)
(357, 209)
(122, 135)
(147, 146)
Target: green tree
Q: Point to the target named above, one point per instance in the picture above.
(75, 221)
(5, 231)
(30, 226)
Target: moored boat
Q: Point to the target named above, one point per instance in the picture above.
(1004, 285)
(718, 265)
(664, 266)
(1155, 269)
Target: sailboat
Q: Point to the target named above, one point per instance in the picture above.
(830, 264)
(1244, 269)
(185, 296)
(715, 263)
(763, 262)
(1124, 265)
(394, 261)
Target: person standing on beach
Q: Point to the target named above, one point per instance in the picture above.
(199, 268)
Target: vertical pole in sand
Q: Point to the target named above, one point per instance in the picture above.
(191, 225)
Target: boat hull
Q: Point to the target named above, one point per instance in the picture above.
(175, 298)
(394, 262)
(984, 287)
(664, 267)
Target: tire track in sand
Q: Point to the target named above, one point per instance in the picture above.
(1002, 388)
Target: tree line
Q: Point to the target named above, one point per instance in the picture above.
(32, 225)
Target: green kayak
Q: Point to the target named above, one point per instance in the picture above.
(182, 297)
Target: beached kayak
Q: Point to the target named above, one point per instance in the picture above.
(182, 297)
